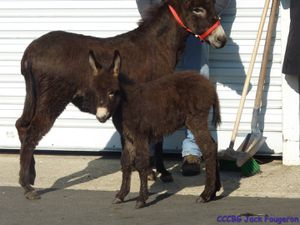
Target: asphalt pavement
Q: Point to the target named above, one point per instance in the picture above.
(78, 190)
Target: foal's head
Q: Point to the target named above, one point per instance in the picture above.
(105, 86)
(199, 16)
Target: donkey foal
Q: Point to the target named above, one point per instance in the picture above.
(152, 110)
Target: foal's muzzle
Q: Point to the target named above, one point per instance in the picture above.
(102, 114)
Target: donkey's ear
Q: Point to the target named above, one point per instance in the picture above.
(116, 63)
(95, 65)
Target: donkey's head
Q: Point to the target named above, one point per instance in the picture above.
(105, 86)
(199, 16)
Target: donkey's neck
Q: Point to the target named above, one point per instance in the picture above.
(153, 49)
(161, 26)
(160, 39)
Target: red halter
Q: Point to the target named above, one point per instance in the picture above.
(200, 36)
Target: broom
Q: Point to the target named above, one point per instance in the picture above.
(253, 141)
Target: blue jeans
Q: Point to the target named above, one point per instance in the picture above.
(195, 57)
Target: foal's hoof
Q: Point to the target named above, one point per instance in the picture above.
(117, 201)
(204, 199)
(140, 204)
(166, 177)
(32, 195)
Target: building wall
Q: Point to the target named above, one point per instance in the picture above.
(24, 20)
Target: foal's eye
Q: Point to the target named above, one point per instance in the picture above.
(199, 11)
(111, 95)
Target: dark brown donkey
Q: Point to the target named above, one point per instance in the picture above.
(57, 61)
(157, 108)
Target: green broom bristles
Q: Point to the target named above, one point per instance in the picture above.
(250, 168)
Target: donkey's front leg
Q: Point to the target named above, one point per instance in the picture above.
(127, 164)
(142, 166)
(143, 194)
(166, 176)
(125, 186)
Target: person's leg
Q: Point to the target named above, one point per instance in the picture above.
(195, 57)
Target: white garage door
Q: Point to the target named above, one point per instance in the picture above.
(22, 21)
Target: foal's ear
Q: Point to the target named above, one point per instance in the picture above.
(95, 65)
(116, 63)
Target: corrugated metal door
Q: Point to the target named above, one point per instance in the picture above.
(22, 21)
(229, 66)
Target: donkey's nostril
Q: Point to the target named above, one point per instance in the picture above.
(221, 40)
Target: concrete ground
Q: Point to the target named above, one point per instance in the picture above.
(80, 189)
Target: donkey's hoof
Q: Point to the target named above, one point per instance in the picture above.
(117, 201)
(140, 204)
(201, 200)
(166, 177)
(32, 195)
(213, 197)
(206, 198)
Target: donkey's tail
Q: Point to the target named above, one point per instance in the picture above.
(216, 119)
(31, 94)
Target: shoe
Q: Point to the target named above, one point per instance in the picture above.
(190, 165)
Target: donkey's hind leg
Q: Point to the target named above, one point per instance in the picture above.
(24, 121)
(165, 176)
(209, 150)
(40, 124)
(28, 112)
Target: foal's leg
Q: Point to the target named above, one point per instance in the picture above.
(199, 128)
(127, 164)
(48, 108)
(142, 166)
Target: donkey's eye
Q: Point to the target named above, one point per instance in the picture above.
(111, 95)
(199, 11)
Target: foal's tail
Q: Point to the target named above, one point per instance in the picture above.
(216, 120)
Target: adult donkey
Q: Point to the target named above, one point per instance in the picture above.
(148, 52)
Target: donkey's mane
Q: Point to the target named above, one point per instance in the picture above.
(152, 13)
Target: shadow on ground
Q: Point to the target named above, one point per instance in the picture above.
(99, 167)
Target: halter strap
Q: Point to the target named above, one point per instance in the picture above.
(200, 36)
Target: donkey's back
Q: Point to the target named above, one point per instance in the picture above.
(59, 54)
(168, 102)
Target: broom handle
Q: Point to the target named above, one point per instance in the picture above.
(249, 74)
(264, 64)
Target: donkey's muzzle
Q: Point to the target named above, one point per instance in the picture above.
(217, 38)
(102, 114)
